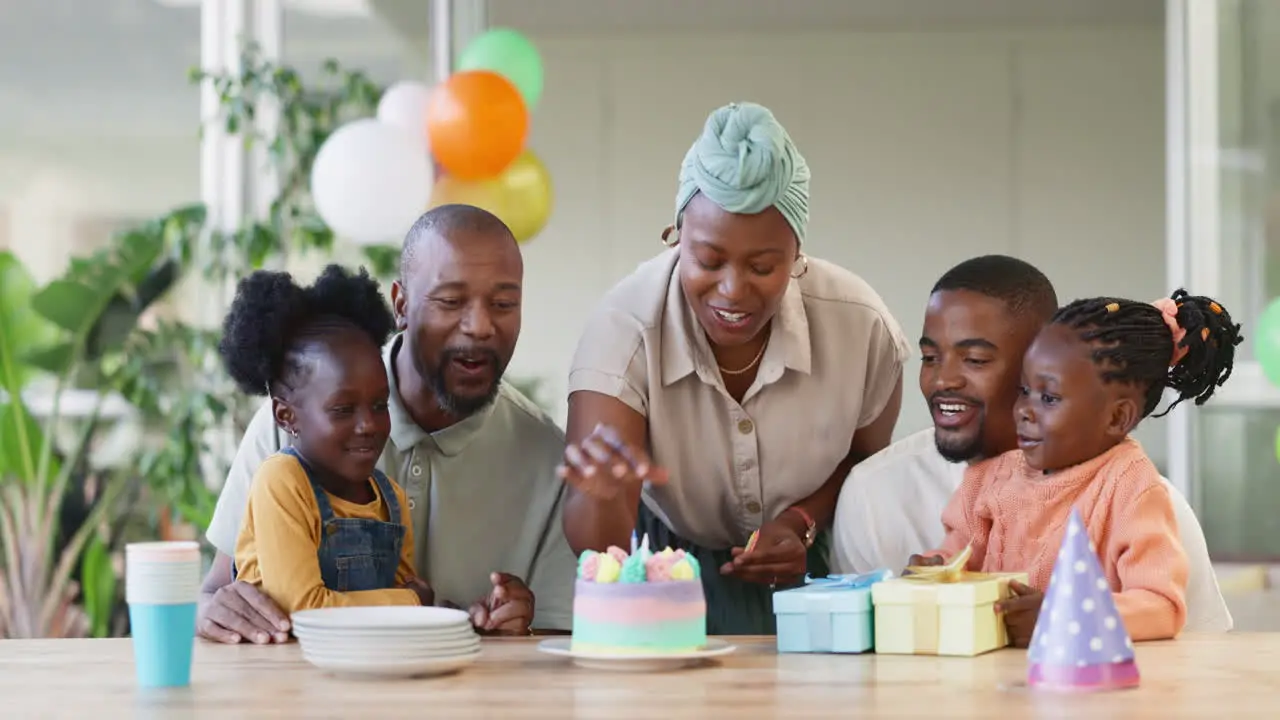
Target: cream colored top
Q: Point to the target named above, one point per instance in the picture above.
(483, 494)
(833, 359)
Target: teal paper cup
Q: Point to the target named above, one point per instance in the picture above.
(162, 586)
(163, 639)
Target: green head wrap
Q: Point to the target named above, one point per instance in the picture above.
(744, 161)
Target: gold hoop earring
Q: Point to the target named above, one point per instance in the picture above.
(670, 236)
(804, 270)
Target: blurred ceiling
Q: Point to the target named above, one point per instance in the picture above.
(72, 65)
(582, 16)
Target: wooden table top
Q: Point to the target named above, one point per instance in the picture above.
(1205, 676)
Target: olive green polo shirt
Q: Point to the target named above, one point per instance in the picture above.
(483, 493)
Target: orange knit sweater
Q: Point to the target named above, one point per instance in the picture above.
(1015, 516)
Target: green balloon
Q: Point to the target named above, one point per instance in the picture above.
(510, 54)
(1266, 341)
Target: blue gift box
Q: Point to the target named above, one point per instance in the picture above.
(827, 615)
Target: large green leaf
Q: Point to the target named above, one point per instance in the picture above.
(93, 302)
(70, 308)
(71, 305)
(20, 441)
(158, 281)
(21, 328)
(112, 328)
(98, 586)
(54, 359)
(95, 320)
(100, 298)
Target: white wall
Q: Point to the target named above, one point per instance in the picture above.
(64, 196)
(926, 148)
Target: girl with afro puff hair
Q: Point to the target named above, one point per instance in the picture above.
(1092, 374)
(324, 527)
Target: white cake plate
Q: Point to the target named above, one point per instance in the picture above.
(635, 662)
(364, 668)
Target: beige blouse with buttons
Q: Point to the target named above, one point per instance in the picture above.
(830, 368)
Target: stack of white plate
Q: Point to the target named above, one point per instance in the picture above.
(387, 641)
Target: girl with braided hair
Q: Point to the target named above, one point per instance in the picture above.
(1088, 379)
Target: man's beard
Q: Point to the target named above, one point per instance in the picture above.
(462, 406)
(958, 450)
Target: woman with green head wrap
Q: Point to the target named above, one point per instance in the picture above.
(728, 385)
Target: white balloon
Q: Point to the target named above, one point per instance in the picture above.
(404, 105)
(371, 181)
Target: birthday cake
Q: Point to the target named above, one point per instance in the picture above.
(639, 602)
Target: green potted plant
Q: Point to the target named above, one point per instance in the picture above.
(76, 326)
(94, 335)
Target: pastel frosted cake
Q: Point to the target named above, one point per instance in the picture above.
(641, 602)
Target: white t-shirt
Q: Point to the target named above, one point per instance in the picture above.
(891, 507)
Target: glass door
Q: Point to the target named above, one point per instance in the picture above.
(1224, 241)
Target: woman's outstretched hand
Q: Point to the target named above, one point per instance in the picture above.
(604, 467)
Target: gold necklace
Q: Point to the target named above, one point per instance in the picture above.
(750, 365)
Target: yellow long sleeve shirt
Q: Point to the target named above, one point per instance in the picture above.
(280, 538)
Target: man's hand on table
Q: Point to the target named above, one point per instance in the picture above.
(507, 610)
(239, 612)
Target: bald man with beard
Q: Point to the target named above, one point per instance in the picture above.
(476, 458)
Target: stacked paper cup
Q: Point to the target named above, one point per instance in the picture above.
(162, 587)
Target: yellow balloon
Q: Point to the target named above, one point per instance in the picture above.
(485, 194)
(526, 195)
(521, 196)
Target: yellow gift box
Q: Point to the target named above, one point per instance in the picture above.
(941, 611)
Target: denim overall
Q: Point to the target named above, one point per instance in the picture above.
(357, 554)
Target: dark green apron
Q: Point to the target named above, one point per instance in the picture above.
(734, 607)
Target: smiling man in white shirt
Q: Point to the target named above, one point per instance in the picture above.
(981, 317)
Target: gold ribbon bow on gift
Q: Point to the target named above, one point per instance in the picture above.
(927, 628)
(951, 572)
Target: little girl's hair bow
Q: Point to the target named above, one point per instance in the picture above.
(1169, 312)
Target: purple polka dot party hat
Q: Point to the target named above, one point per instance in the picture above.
(1080, 643)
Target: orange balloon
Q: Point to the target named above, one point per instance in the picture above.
(477, 124)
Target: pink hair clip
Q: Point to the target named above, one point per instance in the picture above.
(1169, 311)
